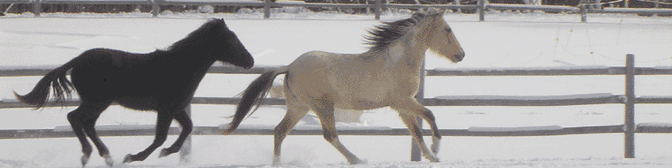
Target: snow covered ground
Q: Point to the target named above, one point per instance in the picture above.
(504, 40)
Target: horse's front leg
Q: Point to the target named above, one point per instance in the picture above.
(187, 127)
(162, 125)
(407, 111)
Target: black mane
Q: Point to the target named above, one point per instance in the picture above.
(208, 31)
(382, 36)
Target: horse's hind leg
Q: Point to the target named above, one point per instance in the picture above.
(407, 111)
(73, 118)
(325, 111)
(187, 127)
(83, 120)
(295, 112)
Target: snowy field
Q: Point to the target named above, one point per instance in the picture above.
(504, 40)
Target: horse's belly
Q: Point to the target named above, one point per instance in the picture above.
(366, 105)
(138, 102)
(375, 95)
(362, 102)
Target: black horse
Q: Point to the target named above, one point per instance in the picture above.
(163, 81)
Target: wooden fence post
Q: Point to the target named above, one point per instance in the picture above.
(185, 151)
(378, 9)
(459, 10)
(416, 154)
(630, 106)
(584, 11)
(37, 8)
(156, 7)
(267, 9)
(481, 10)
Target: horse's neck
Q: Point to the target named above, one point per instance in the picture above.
(184, 59)
(406, 53)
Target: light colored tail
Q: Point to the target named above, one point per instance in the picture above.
(254, 94)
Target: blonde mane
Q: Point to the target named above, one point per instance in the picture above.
(381, 36)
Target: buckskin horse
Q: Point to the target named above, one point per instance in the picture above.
(388, 74)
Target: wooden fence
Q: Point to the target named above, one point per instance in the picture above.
(377, 5)
(628, 128)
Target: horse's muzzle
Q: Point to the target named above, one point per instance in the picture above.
(250, 63)
(459, 57)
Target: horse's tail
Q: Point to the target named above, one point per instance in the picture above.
(254, 94)
(61, 87)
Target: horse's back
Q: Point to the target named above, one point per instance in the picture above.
(351, 81)
(328, 62)
(109, 73)
(94, 69)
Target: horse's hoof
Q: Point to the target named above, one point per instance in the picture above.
(359, 161)
(108, 160)
(436, 142)
(128, 158)
(435, 160)
(85, 159)
(164, 153)
(276, 161)
(435, 148)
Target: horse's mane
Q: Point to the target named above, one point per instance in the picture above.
(382, 36)
(209, 30)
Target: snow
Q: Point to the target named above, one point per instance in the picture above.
(506, 40)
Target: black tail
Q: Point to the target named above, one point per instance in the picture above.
(253, 94)
(61, 88)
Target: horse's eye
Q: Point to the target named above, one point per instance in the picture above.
(449, 30)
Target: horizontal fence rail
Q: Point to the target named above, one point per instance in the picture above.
(480, 100)
(148, 130)
(377, 5)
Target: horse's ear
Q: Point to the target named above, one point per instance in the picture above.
(441, 13)
(223, 23)
(434, 11)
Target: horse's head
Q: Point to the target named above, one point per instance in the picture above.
(235, 52)
(442, 40)
(224, 44)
